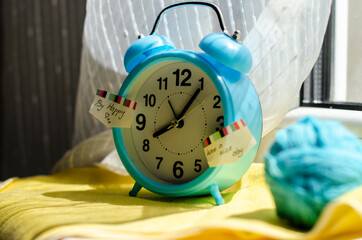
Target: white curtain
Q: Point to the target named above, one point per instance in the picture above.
(284, 36)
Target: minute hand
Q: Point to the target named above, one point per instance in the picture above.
(192, 99)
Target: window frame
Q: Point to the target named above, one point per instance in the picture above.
(322, 75)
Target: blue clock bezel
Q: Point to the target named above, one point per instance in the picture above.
(200, 184)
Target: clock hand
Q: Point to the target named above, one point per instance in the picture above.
(188, 104)
(173, 111)
(180, 123)
(173, 125)
(181, 119)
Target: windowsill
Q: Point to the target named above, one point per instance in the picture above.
(349, 118)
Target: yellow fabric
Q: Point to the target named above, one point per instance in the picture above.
(94, 203)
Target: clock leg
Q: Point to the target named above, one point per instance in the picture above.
(136, 188)
(214, 190)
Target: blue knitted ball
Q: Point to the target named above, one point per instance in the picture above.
(311, 163)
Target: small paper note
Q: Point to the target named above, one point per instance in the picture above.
(229, 144)
(113, 110)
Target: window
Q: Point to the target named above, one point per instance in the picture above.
(336, 79)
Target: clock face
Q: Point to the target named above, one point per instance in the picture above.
(178, 106)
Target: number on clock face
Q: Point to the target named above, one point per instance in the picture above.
(178, 107)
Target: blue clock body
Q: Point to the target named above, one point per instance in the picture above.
(226, 63)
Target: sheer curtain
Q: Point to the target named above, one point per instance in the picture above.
(284, 36)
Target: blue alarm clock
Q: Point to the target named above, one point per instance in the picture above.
(182, 98)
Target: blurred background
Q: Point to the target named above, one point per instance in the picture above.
(41, 49)
(41, 42)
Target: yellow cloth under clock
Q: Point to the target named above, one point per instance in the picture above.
(94, 203)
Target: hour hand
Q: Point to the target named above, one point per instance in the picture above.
(165, 129)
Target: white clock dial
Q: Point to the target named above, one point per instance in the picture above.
(178, 106)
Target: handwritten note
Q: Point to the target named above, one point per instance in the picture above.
(229, 144)
(112, 110)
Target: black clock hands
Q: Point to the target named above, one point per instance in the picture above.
(173, 111)
(188, 104)
(181, 122)
(173, 124)
(188, 113)
(178, 122)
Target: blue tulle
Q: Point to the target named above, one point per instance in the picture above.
(311, 163)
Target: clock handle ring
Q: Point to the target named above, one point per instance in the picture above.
(214, 7)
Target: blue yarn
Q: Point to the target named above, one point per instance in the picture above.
(311, 163)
